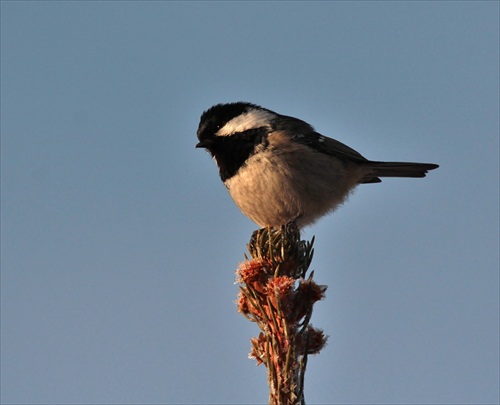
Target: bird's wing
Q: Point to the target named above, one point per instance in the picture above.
(330, 146)
(301, 132)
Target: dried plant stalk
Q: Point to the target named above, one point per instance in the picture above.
(275, 293)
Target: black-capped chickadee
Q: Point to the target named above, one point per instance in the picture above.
(278, 169)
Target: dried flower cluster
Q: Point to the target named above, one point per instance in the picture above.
(275, 294)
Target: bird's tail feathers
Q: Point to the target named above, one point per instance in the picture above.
(396, 169)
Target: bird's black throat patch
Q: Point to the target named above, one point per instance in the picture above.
(231, 152)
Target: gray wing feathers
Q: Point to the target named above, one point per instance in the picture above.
(302, 132)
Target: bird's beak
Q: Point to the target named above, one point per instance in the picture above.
(204, 144)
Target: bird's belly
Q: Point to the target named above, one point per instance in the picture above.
(271, 193)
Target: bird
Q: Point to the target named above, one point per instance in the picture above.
(279, 170)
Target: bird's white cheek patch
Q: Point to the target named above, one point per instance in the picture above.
(246, 121)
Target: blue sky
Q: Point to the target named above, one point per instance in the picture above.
(119, 242)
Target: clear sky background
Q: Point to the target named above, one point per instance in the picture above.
(119, 242)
